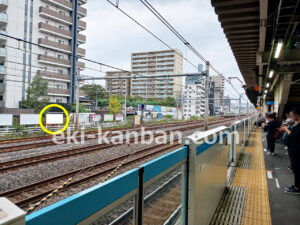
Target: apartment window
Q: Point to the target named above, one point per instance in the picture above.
(60, 56)
(62, 12)
(60, 71)
(47, 6)
(46, 37)
(61, 42)
(61, 27)
(46, 53)
(59, 86)
(58, 100)
(47, 21)
(1, 98)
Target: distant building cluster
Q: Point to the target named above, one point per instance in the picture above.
(190, 94)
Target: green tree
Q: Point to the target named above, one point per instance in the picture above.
(103, 103)
(114, 105)
(169, 101)
(94, 91)
(81, 108)
(36, 94)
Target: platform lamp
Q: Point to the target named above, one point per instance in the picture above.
(278, 48)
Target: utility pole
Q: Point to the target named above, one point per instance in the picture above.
(77, 105)
(125, 101)
(206, 96)
(74, 51)
(96, 98)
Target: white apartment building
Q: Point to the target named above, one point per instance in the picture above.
(193, 97)
(48, 23)
(164, 62)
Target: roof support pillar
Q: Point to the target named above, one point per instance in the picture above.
(281, 94)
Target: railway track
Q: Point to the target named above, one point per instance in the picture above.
(25, 195)
(90, 135)
(47, 137)
(28, 194)
(44, 158)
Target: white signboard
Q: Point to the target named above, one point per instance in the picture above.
(29, 119)
(84, 118)
(6, 119)
(119, 117)
(54, 119)
(108, 117)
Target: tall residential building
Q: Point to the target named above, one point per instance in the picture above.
(163, 62)
(49, 24)
(118, 86)
(194, 95)
(219, 86)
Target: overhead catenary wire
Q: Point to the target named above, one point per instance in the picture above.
(176, 33)
(89, 60)
(179, 36)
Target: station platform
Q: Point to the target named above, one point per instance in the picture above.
(222, 182)
(285, 208)
(246, 201)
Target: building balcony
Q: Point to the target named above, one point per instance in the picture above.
(82, 2)
(56, 16)
(3, 38)
(58, 62)
(48, 13)
(49, 29)
(3, 20)
(81, 25)
(2, 53)
(66, 5)
(61, 47)
(62, 92)
(3, 5)
(54, 76)
(2, 70)
(58, 92)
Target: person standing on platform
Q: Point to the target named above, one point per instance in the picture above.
(292, 140)
(270, 128)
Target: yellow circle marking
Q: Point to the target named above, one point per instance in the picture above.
(50, 106)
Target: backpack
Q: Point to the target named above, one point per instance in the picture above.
(277, 134)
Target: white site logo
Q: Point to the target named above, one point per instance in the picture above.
(141, 136)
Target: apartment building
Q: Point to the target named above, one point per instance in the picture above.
(49, 24)
(118, 86)
(193, 96)
(165, 62)
(219, 85)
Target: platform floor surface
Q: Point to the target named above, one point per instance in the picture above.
(250, 204)
(285, 208)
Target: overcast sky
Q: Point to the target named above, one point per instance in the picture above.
(111, 36)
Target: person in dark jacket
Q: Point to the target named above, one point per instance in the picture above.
(270, 128)
(293, 142)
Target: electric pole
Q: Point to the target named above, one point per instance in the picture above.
(125, 101)
(206, 96)
(77, 104)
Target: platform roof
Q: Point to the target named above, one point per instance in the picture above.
(253, 28)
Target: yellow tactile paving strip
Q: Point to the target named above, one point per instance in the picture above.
(256, 209)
